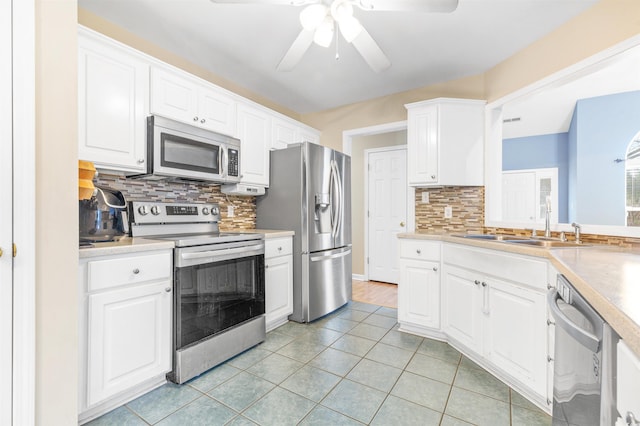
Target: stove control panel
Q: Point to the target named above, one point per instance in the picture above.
(143, 212)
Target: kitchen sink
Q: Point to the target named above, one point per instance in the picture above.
(490, 237)
(546, 243)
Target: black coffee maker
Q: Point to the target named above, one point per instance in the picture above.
(103, 217)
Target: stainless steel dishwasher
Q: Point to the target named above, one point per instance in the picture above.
(583, 379)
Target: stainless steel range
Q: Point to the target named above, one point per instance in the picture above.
(218, 283)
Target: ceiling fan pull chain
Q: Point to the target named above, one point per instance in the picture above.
(337, 51)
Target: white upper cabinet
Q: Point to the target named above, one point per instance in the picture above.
(254, 131)
(285, 132)
(182, 98)
(445, 142)
(112, 104)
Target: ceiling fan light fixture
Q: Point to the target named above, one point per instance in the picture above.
(341, 9)
(350, 28)
(312, 16)
(324, 33)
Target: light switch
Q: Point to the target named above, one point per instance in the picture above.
(230, 211)
(425, 197)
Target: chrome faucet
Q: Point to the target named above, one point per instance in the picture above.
(547, 228)
(577, 232)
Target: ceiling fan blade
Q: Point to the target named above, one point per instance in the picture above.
(296, 51)
(274, 2)
(430, 6)
(371, 52)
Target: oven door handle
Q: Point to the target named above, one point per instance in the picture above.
(245, 250)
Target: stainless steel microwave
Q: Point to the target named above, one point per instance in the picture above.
(178, 150)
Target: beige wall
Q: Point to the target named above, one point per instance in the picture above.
(56, 213)
(358, 175)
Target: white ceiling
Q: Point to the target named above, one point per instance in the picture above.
(550, 109)
(244, 43)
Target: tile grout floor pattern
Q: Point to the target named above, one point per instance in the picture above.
(352, 367)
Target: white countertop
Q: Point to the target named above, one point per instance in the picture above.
(608, 277)
(123, 246)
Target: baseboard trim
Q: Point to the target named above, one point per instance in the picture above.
(358, 277)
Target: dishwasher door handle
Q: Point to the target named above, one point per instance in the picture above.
(584, 337)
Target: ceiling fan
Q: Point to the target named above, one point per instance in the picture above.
(320, 17)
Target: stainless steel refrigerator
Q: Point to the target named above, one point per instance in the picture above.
(310, 193)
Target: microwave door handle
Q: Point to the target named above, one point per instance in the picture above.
(221, 160)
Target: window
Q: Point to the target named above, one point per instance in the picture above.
(632, 177)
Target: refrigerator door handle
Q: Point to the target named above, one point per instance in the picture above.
(321, 257)
(340, 196)
(335, 191)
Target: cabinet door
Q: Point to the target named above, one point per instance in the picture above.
(112, 106)
(278, 289)
(419, 293)
(284, 133)
(217, 111)
(515, 335)
(174, 97)
(628, 383)
(462, 303)
(254, 131)
(129, 338)
(422, 145)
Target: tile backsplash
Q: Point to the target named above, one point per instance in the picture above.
(186, 192)
(467, 204)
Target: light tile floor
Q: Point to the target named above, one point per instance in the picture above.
(352, 367)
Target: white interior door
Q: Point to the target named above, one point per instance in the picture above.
(387, 210)
(6, 218)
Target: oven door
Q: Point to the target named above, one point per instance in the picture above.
(216, 288)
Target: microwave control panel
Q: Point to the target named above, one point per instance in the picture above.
(233, 163)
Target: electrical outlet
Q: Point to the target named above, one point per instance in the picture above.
(448, 212)
(425, 197)
(230, 211)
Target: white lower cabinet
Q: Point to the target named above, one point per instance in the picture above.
(125, 329)
(492, 305)
(462, 300)
(627, 385)
(419, 287)
(278, 273)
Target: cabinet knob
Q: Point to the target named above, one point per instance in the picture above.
(484, 284)
(136, 271)
(202, 121)
(195, 118)
(168, 289)
(433, 176)
(140, 160)
(418, 251)
(0, 251)
(266, 266)
(435, 269)
(402, 224)
(477, 282)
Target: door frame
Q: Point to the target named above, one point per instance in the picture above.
(347, 142)
(24, 212)
(367, 152)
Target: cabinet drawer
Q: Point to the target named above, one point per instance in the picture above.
(420, 250)
(277, 247)
(104, 274)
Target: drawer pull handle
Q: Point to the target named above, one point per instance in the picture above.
(435, 269)
(136, 271)
(418, 251)
(168, 289)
